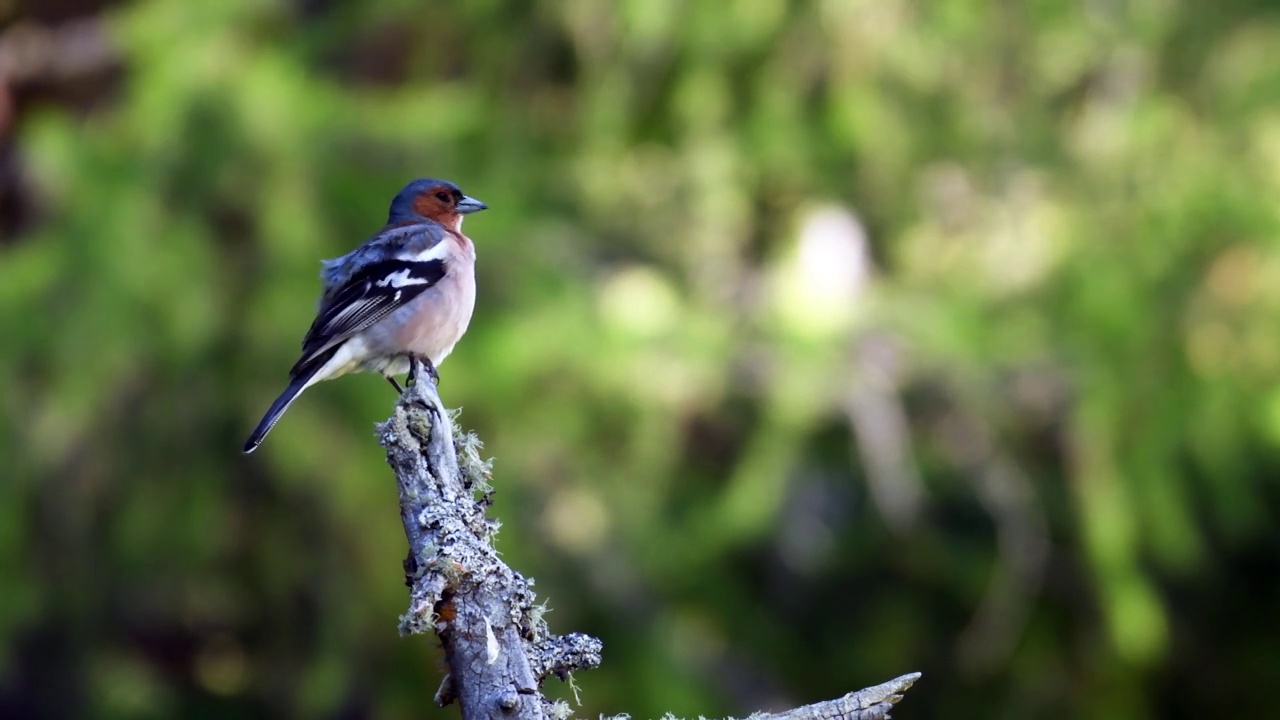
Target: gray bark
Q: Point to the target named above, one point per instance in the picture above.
(871, 703)
(497, 646)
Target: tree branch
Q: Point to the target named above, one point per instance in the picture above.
(497, 646)
(871, 703)
(496, 643)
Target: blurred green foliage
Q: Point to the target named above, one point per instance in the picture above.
(819, 341)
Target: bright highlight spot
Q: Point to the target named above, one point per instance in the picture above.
(817, 289)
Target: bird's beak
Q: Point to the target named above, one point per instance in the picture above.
(468, 205)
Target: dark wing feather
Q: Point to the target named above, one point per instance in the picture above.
(369, 295)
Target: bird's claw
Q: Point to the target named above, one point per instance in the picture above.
(418, 364)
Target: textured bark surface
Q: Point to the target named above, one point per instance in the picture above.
(497, 646)
(871, 703)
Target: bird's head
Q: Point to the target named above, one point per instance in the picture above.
(438, 200)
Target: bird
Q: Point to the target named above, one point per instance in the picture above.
(405, 295)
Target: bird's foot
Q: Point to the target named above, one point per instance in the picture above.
(417, 366)
(394, 384)
(419, 363)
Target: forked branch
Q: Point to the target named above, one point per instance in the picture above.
(498, 647)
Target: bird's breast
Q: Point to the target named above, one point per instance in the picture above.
(465, 247)
(434, 321)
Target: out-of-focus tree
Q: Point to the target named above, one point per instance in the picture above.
(818, 341)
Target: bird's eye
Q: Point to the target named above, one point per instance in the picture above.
(442, 196)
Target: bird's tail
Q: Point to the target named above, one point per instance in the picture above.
(296, 386)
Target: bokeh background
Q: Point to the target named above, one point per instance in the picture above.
(819, 341)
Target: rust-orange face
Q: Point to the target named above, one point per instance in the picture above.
(438, 200)
(438, 203)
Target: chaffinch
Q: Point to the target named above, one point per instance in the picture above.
(407, 293)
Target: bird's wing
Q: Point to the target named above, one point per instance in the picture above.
(416, 241)
(370, 290)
